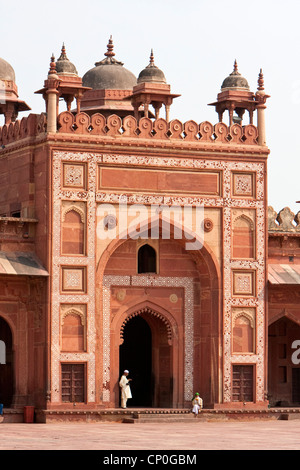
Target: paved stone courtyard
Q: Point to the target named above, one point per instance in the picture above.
(231, 435)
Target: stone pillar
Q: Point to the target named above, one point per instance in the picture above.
(167, 106)
(146, 109)
(261, 124)
(52, 97)
(261, 98)
(157, 107)
(52, 93)
(9, 113)
(231, 108)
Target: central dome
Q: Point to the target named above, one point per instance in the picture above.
(109, 74)
(6, 71)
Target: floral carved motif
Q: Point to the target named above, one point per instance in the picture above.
(73, 175)
(242, 185)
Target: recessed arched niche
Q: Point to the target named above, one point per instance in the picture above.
(243, 237)
(243, 332)
(73, 230)
(73, 331)
(146, 259)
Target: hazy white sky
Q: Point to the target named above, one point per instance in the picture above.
(195, 43)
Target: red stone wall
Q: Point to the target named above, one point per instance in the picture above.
(174, 261)
(23, 299)
(42, 203)
(283, 320)
(15, 181)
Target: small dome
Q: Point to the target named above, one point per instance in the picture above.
(235, 80)
(6, 71)
(151, 73)
(109, 74)
(63, 65)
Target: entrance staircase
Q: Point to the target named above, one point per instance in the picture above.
(186, 416)
(159, 416)
(148, 415)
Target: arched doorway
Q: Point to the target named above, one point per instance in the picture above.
(135, 355)
(284, 363)
(146, 352)
(187, 292)
(6, 364)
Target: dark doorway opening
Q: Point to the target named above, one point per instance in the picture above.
(136, 356)
(283, 368)
(296, 385)
(6, 368)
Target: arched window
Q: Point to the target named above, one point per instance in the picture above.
(146, 259)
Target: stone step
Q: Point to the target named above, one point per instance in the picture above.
(157, 420)
(160, 418)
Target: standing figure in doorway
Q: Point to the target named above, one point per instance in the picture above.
(125, 388)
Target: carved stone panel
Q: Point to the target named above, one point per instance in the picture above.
(243, 283)
(243, 184)
(74, 175)
(73, 279)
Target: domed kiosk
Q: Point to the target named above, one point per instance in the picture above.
(235, 96)
(152, 89)
(63, 82)
(10, 104)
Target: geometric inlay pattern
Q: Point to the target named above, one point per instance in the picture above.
(187, 284)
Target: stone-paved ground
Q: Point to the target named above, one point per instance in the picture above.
(253, 435)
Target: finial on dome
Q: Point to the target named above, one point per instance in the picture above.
(235, 66)
(260, 81)
(63, 52)
(52, 69)
(109, 55)
(110, 48)
(151, 58)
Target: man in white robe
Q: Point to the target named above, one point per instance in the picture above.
(125, 389)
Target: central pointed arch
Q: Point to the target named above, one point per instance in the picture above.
(196, 362)
(146, 348)
(147, 311)
(6, 364)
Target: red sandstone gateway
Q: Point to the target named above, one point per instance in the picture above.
(76, 309)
